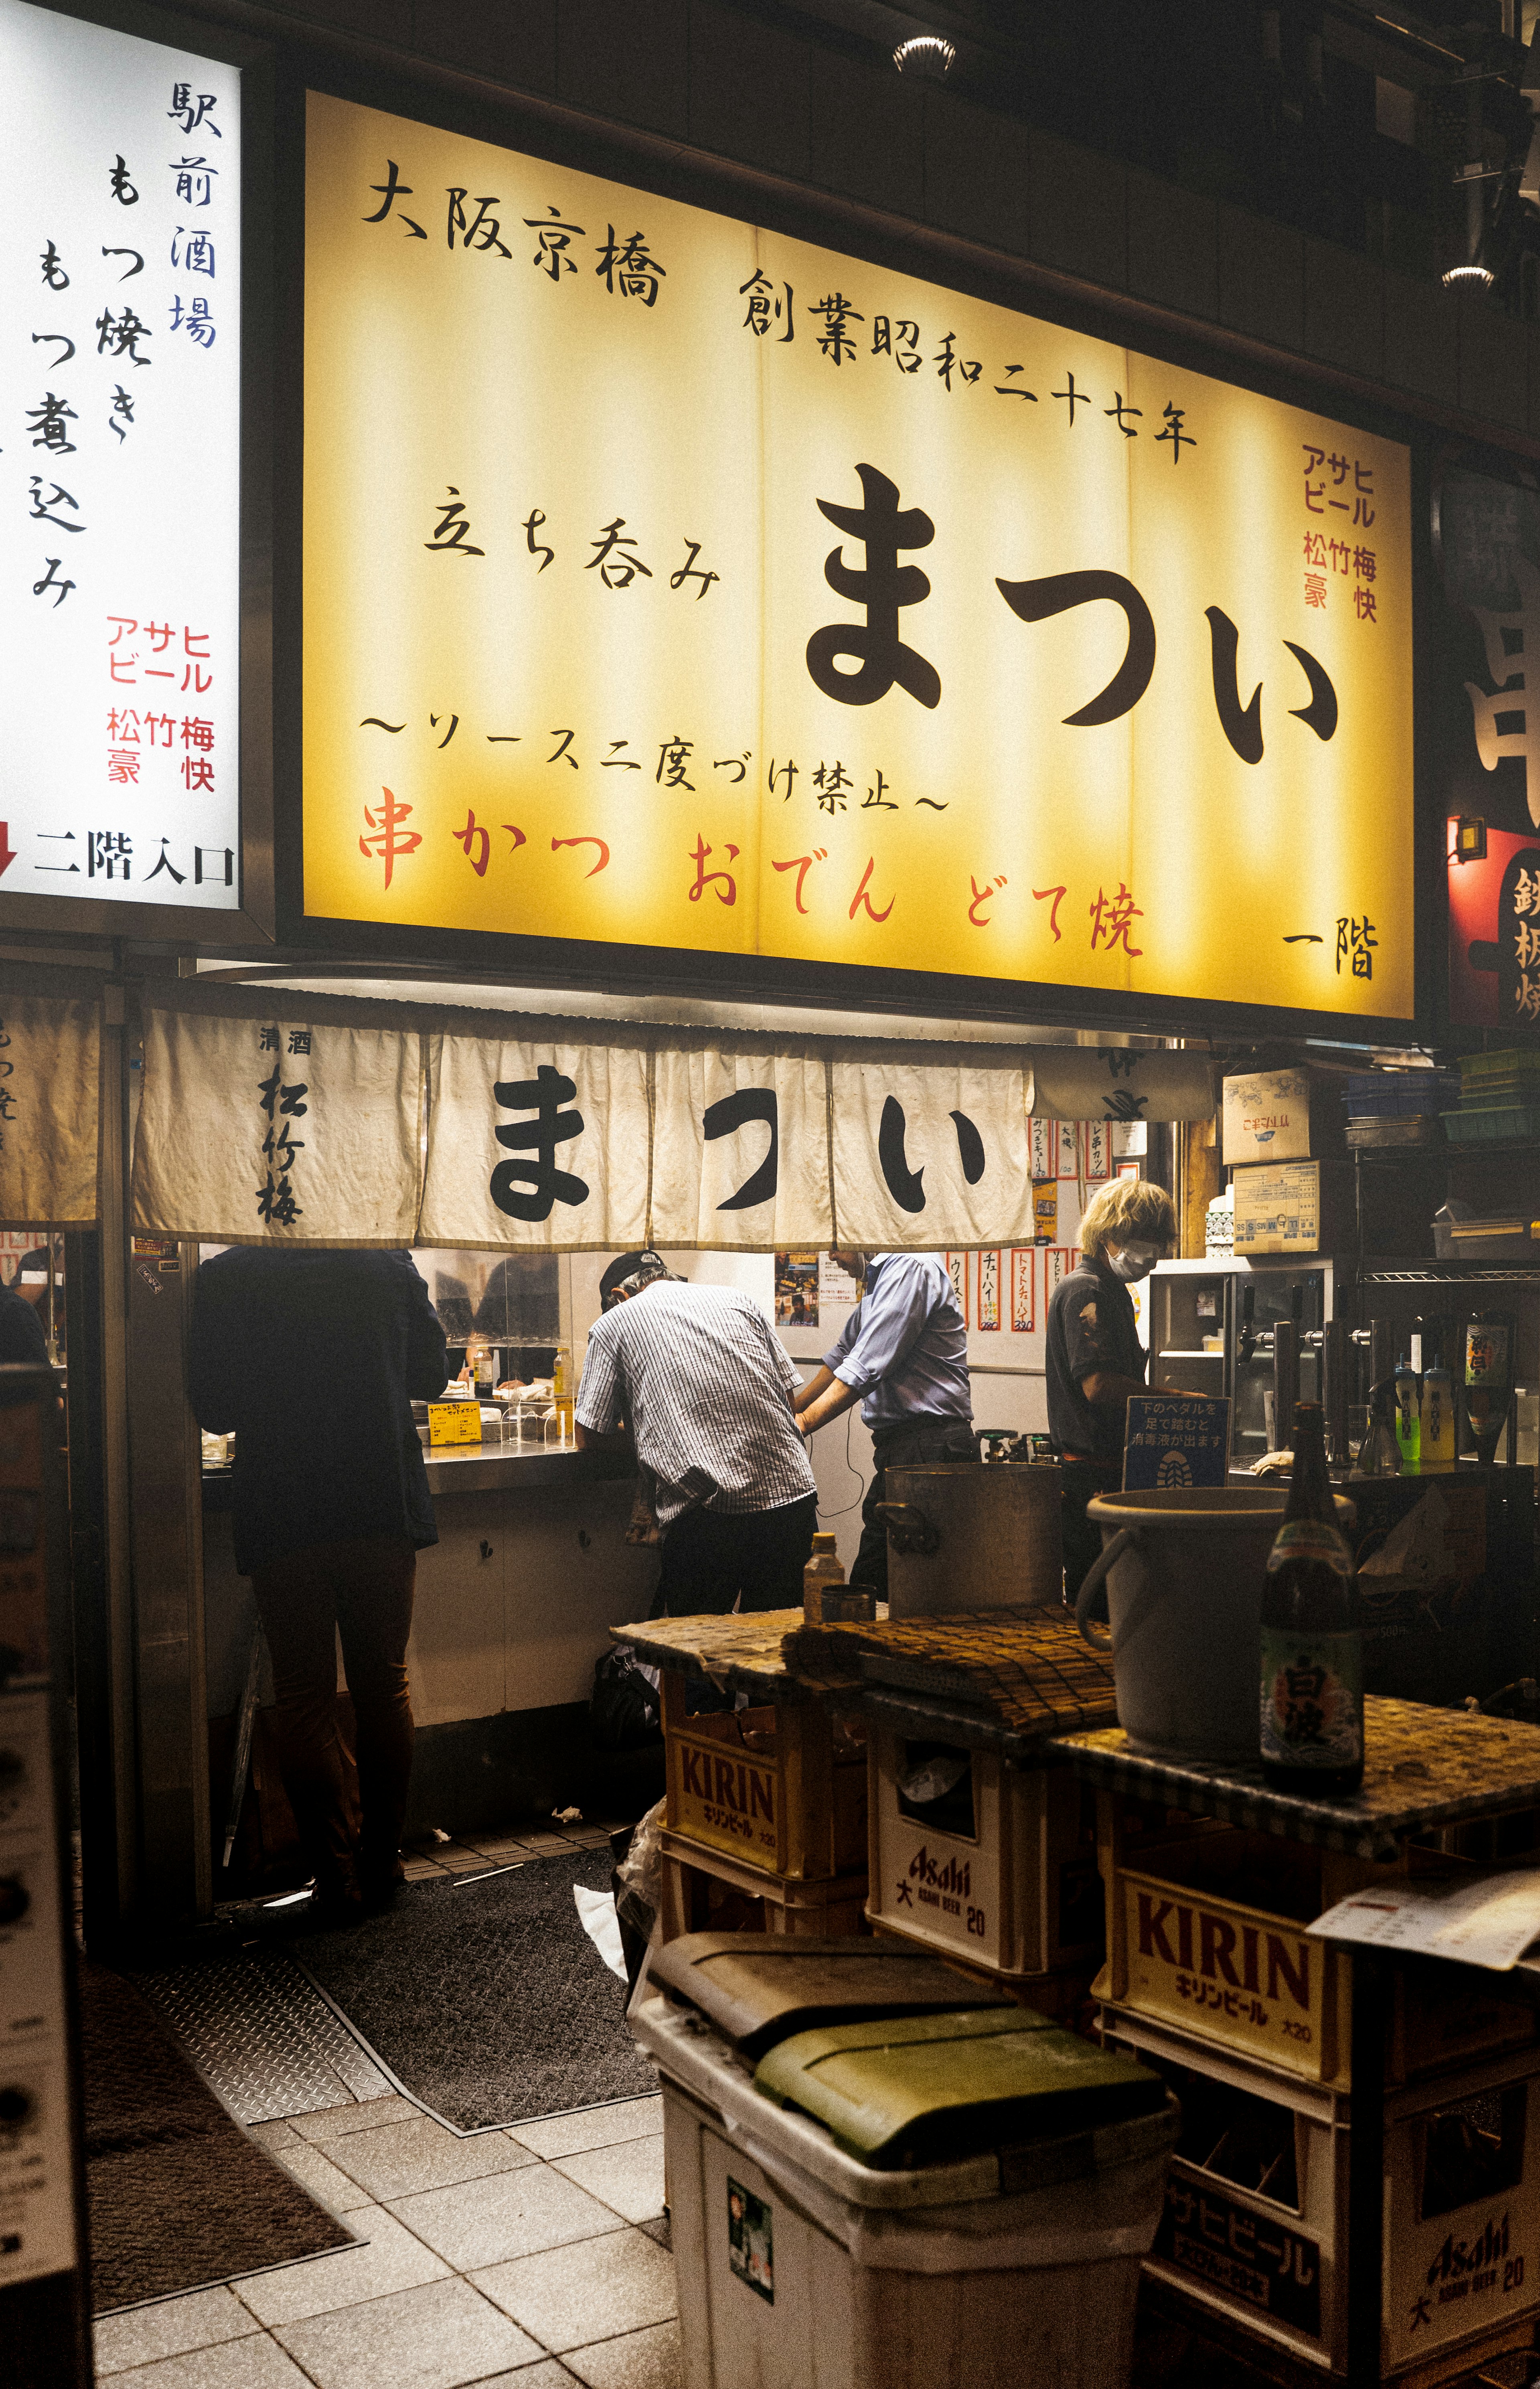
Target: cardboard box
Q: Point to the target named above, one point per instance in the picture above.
(1278, 1208)
(1283, 1115)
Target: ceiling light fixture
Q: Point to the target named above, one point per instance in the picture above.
(1456, 274)
(926, 53)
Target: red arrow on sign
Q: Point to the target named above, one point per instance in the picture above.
(7, 851)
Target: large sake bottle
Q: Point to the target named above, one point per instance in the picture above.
(1312, 1705)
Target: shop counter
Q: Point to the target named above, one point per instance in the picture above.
(482, 1468)
(513, 1607)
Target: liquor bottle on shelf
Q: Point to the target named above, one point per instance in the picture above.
(1312, 1704)
(1488, 1380)
(1436, 1447)
(1408, 1417)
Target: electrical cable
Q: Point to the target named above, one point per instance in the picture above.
(861, 1481)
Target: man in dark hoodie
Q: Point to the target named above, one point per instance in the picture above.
(313, 1359)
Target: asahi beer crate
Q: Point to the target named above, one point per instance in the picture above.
(708, 1891)
(1207, 1933)
(1256, 2227)
(981, 1857)
(780, 1788)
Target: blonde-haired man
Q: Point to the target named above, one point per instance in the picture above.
(1095, 1360)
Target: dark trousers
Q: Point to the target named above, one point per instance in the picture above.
(362, 1590)
(1081, 1481)
(913, 1443)
(714, 1559)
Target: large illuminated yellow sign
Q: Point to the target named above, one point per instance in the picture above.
(673, 582)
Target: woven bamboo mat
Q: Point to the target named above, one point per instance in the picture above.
(1027, 1668)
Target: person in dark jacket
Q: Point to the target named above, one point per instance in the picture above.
(21, 1337)
(313, 1359)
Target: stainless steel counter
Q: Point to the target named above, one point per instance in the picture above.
(483, 1468)
(487, 1467)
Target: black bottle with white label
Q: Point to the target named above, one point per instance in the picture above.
(1312, 1690)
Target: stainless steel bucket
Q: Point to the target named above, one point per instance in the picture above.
(966, 1537)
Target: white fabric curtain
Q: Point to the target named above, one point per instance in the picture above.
(309, 1123)
(50, 1066)
(541, 1148)
(276, 1131)
(931, 1156)
(740, 1152)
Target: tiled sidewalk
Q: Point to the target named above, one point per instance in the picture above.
(531, 2257)
(472, 1854)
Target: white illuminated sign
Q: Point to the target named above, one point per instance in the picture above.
(119, 446)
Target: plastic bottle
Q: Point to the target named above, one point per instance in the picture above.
(1437, 1442)
(1312, 1705)
(1408, 1417)
(561, 1394)
(1380, 1454)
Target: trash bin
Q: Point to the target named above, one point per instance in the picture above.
(949, 2192)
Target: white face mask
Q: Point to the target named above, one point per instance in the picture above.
(1134, 1262)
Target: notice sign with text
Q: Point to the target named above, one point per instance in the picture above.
(119, 466)
(698, 588)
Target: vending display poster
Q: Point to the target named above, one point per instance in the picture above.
(948, 640)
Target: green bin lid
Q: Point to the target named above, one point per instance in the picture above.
(928, 2089)
(758, 1988)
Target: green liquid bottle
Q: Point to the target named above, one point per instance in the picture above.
(1436, 1450)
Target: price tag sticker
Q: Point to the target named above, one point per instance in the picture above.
(454, 1422)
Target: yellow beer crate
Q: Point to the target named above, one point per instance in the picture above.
(1255, 2233)
(1206, 1932)
(780, 1788)
(708, 1891)
(981, 1857)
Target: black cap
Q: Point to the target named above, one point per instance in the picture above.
(624, 1266)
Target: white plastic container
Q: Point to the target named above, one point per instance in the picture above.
(801, 2268)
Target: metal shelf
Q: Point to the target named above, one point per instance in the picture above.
(1490, 1149)
(1468, 1273)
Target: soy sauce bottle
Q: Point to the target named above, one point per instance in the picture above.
(1312, 1704)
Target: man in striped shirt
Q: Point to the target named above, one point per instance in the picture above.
(695, 1379)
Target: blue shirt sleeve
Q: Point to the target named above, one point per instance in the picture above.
(888, 1324)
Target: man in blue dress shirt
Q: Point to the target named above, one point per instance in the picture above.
(903, 1356)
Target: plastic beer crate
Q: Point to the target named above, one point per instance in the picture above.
(996, 1868)
(1206, 1934)
(710, 1891)
(779, 1788)
(1255, 2227)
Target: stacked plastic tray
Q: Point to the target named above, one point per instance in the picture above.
(1396, 1107)
(1499, 1100)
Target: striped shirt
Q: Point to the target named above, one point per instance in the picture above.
(905, 1347)
(698, 1375)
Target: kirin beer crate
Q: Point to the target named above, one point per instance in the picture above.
(1207, 1932)
(780, 1788)
(708, 1891)
(981, 1858)
(1256, 2227)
